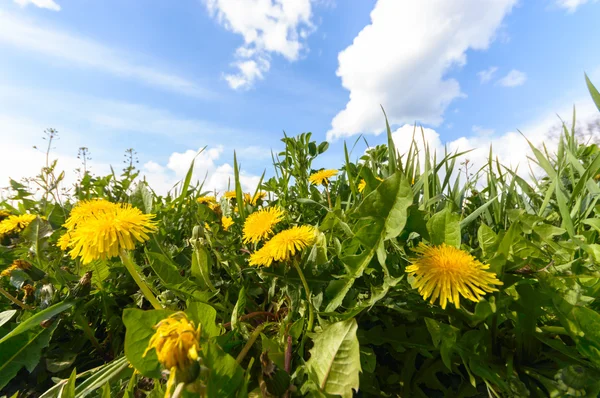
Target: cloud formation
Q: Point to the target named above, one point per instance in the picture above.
(487, 74)
(268, 27)
(400, 60)
(75, 50)
(49, 4)
(514, 78)
(572, 5)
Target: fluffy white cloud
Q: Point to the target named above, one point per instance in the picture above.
(216, 177)
(75, 50)
(49, 4)
(487, 74)
(510, 147)
(267, 26)
(514, 78)
(400, 59)
(571, 5)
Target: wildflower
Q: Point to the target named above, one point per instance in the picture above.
(64, 241)
(103, 233)
(17, 223)
(29, 290)
(446, 272)
(322, 177)
(227, 222)
(252, 200)
(284, 245)
(4, 214)
(207, 200)
(230, 195)
(259, 225)
(362, 185)
(176, 342)
(86, 210)
(16, 264)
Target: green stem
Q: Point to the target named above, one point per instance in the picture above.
(136, 277)
(554, 330)
(311, 315)
(250, 342)
(14, 299)
(81, 321)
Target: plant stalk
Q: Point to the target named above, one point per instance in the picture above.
(249, 343)
(311, 315)
(137, 278)
(15, 300)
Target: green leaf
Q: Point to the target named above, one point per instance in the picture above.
(226, 375)
(68, 390)
(23, 350)
(201, 268)
(593, 92)
(6, 316)
(473, 216)
(334, 363)
(238, 310)
(39, 317)
(205, 315)
(140, 328)
(488, 240)
(101, 376)
(444, 227)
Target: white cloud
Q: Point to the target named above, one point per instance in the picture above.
(400, 59)
(49, 4)
(487, 74)
(511, 148)
(571, 5)
(514, 78)
(268, 27)
(76, 50)
(216, 177)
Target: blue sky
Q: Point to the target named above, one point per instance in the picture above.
(168, 78)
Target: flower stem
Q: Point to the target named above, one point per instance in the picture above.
(311, 315)
(136, 277)
(328, 197)
(14, 299)
(250, 342)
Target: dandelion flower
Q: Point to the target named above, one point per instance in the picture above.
(252, 200)
(446, 273)
(362, 185)
(322, 177)
(86, 210)
(207, 200)
(64, 241)
(4, 214)
(259, 225)
(284, 245)
(103, 234)
(16, 264)
(230, 195)
(227, 222)
(17, 223)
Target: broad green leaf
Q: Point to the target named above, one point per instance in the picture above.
(201, 265)
(205, 315)
(444, 227)
(37, 318)
(140, 328)
(226, 375)
(23, 350)
(334, 363)
(488, 240)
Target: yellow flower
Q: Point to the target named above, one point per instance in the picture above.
(86, 210)
(253, 200)
(207, 200)
(13, 224)
(322, 177)
(259, 225)
(176, 341)
(227, 222)
(362, 185)
(4, 214)
(284, 245)
(16, 264)
(102, 234)
(447, 273)
(230, 195)
(64, 241)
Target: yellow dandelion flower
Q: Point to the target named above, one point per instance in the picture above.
(207, 200)
(4, 214)
(87, 209)
(16, 264)
(176, 341)
(446, 273)
(284, 245)
(64, 241)
(104, 234)
(206, 225)
(252, 200)
(14, 224)
(230, 195)
(227, 222)
(362, 185)
(322, 177)
(259, 225)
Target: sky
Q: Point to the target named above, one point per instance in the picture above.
(170, 78)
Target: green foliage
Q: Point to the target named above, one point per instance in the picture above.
(340, 318)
